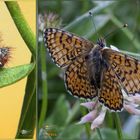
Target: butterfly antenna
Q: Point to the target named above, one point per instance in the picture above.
(92, 20)
(116, 30)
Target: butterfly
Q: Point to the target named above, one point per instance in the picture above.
(92, 70)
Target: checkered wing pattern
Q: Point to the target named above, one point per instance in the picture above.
(126, 68)
(77, 79)
(64, 47)
(110, 92)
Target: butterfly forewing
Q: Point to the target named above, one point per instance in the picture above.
(126, 68)
(64, 47)
(110, 93)
(77, 79)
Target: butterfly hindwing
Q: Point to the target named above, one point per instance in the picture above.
(126, 68)
(77, 80)
(110, 92)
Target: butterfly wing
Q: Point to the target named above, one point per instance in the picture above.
(64, 47)
(77, 79)
(126, 68)
(110, 92)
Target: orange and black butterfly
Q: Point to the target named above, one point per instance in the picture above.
(92, 70)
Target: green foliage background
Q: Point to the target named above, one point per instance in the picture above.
(58, 110)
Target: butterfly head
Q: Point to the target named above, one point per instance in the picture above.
(101, 42)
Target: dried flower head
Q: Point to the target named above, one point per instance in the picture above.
(49, 20)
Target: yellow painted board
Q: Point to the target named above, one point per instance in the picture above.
(11, 97)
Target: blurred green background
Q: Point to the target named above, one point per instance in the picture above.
(58, 111)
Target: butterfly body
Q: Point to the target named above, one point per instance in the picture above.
(92, 70)
(96, 65)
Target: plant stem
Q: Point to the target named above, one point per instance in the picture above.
(22, 25)
(109, 119)
(99, 133)
(118, 125)
(87, 126)
(44, 85)
(28, 113)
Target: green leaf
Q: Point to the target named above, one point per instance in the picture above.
(11, 75)
(60, 112)
(136, 55)
(127, 32)
(107, 134)
(72, 132)
(94, 10)
(28, 113)
(73, 112)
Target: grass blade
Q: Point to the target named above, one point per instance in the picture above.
(44, 85)
(118, 125)
(28, 113)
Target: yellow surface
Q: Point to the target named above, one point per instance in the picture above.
(11, 97)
